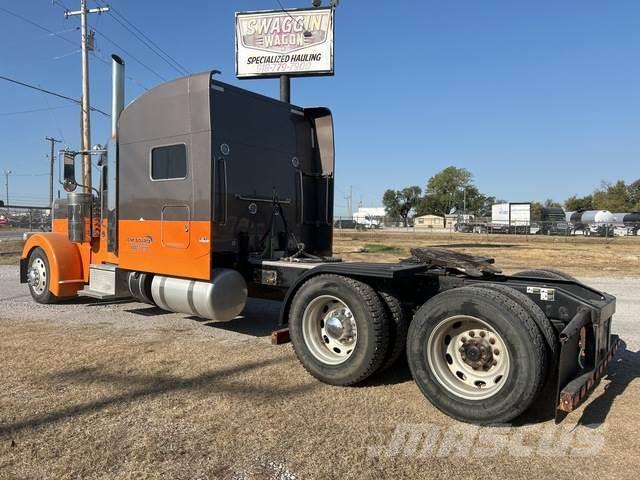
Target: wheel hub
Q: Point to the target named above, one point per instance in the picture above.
(337, 325)
(33, 277)
(329, 329)
(37, 276)
(477, 353)
(468, 357)
(334, 327)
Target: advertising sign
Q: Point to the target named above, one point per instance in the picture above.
(284, 42)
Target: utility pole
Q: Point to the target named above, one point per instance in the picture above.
(349, 199)
(86, 118)
(464, 201)
(6, 183)
(51, 162)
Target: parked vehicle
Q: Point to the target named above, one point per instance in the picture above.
(197, 236)
(346, 224)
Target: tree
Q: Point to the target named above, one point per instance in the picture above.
(576, 204)
(536, 208)
(400, 203)
(613, 197)
(634, 196)
(451, 188)
(536, 211)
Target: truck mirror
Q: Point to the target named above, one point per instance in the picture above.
(69, 172)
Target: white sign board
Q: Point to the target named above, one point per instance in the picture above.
(284, 42)
(520, 214)
(500, 213)
(511, 214)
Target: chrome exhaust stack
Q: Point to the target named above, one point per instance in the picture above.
(117, 93)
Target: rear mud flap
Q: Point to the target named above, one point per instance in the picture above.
(585, 353)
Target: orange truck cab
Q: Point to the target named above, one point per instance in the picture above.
(206, 175)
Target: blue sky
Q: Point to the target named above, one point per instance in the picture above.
(537, 99)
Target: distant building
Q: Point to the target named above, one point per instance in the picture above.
(428, 221)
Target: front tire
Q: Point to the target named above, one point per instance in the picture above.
(476, 354)
(339, 329)
(38, 277)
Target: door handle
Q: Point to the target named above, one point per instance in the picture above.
(224, 190)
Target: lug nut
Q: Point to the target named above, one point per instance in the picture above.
(492, 341)
(496, 352)
(494, 363)
(472, 333)
(482, 333)
(463, 339)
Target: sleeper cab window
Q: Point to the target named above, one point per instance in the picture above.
(169, 162)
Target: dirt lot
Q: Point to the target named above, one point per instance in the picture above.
(127, 391)
(587, 256)
(9, 249)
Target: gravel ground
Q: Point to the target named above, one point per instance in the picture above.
(124, 390)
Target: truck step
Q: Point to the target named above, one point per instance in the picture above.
(106, 281)
(87, 292)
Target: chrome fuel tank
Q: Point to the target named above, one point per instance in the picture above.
(221, 299)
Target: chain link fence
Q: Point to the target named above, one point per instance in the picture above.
(16, 220)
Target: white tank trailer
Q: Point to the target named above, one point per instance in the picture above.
(591, 222)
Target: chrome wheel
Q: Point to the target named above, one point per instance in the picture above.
(37, 276)
(468, 357)
(329, 329)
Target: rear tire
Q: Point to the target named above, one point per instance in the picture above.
(537, 315)
(398, 329)
(442, 363)
(38, 277)
(339, 329)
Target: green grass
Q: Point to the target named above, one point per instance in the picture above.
(381, 248)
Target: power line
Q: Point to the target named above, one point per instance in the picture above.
(130, 55)
(144, 39)
(49, 92)
(55, 34)
(34, 110)
(29, 174)
(37, 25)
(287, 12)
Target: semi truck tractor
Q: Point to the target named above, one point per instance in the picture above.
(217, 194)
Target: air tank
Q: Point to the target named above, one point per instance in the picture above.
(221, 299)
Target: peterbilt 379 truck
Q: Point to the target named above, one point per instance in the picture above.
(221, 194)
